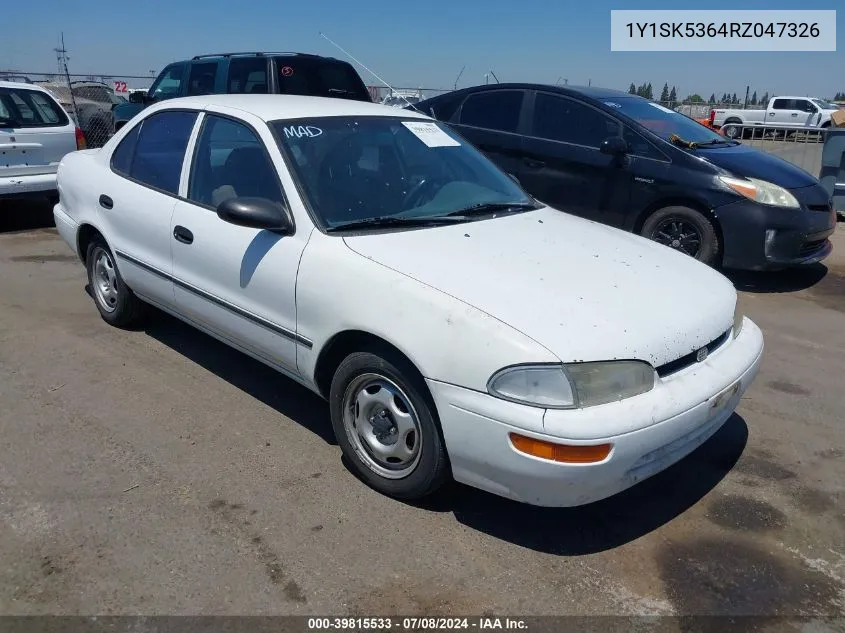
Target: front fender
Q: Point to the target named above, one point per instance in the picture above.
(446, 339)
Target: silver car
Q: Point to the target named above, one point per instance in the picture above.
(35, 133)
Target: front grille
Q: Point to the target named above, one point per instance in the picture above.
(819, 207)
(685, 361)
(808, 248)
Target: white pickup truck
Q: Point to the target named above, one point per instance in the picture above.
(781, 112)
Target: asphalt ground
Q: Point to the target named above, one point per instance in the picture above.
(157, 471)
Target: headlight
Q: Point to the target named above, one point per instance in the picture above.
(761, 191)
(572, 385)
(739, 317)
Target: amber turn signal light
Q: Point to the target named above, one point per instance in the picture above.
(567, 453)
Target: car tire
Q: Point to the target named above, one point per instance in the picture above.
(732, 131)
(116, 303)
(387, 425)
(673, 226)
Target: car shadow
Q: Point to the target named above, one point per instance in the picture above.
(250, 376)
(790, 280)
(25, 214)
(608, 523)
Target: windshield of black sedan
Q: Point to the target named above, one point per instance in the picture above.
(663, 121)
(358, 168)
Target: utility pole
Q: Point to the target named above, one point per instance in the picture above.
(747, 88)
(61, 54)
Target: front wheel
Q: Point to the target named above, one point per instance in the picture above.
(387, 426)
(685, 230)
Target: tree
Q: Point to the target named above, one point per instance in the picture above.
(664, 94)
(734, 99)
(673, 95)
(694, 98)
(724, 98)
(753, 98)
(632, 89)
(649, 93)
(764, 100)
(712, 99)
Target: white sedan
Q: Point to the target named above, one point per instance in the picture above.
(457, 327)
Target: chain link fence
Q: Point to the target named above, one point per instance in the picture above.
(89, 100)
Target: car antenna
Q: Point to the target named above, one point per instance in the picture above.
(455, 87)
(348, 54)
(494, 77)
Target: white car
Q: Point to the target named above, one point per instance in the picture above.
(35, 133)
(456, 326)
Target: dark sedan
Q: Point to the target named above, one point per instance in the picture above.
(634, 164)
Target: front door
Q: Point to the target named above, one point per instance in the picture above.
(565, 168)
(238, 282)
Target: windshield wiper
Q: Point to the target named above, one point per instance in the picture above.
(392, 221)
(490, 207)
(677, 140)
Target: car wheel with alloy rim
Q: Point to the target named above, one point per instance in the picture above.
(685, 230)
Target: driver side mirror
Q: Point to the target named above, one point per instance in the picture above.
(138, 97)
(256, 213)
(614, 146)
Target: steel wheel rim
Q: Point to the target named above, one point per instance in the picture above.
(382, 425)
(104, 280)
(678, 234)
(731, 131)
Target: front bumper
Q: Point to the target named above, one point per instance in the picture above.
(13, 186)
(765, 238)
(649, 432)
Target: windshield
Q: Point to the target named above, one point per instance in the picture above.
(356, 168)
(825, 105)
(663, 121)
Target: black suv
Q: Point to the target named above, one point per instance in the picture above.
(249, 73)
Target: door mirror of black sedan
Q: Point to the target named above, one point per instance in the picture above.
(256, 213)
(137, 97)
(614, 146)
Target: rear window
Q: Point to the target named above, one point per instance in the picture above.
(319, 78)
(20, 107)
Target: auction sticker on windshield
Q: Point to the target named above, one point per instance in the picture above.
(430, 134)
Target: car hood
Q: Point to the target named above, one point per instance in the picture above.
(752, 163)
(583, 290)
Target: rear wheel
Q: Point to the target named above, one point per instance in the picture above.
(117, 304)
(732, 130)
(685, 230)
(387, 426)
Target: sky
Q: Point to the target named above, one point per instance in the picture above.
(413, 44)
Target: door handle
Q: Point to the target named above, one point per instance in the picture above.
(794, 114)
(771, 114)
(183, 235)
(106, 202)
(534, 164)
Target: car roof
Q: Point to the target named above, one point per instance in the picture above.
(263, 54)
(271, 107)
(591, 92)
(24, 85)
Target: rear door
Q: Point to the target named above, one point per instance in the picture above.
(35, 133)
(493, 121)
(564, 167)
(785, 112)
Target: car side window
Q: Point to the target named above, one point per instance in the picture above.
(804, 105)
(121, 158)
(201, 78)
(638, 146)
(781, 104)
(159, 150)
(168, 83)
(247, 75)
(495, 110)
(560, 119)
(230, 161)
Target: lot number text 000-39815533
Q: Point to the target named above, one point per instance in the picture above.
(685, 30)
